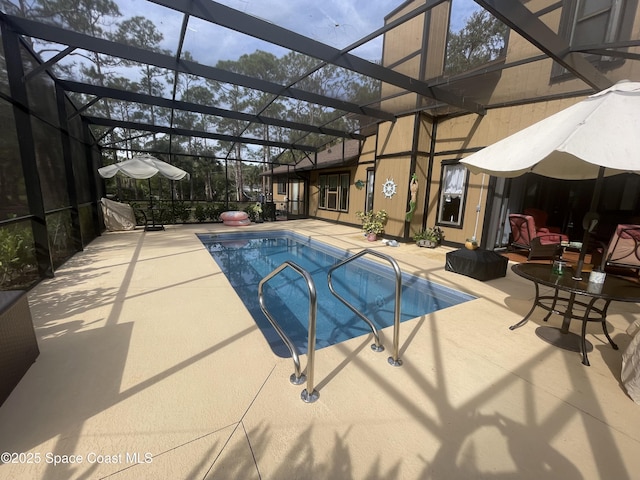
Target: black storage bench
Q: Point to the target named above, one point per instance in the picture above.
(479, 263)
(18, 345)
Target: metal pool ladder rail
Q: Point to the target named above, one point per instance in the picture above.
(377, 346)
(308, 395)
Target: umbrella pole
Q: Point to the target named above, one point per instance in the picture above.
(153, 217)
(150, 196)
(595, 200)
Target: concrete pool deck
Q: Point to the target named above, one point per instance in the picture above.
(151, 367)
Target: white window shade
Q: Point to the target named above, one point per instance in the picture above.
(454, 177)
(453, 181)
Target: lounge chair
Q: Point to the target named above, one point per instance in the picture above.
(540, 243)
(624, 248)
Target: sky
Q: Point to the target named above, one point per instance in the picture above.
(338, 23)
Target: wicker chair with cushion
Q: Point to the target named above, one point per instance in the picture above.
(540, 243)
(540, 218)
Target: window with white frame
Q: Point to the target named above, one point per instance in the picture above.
(453, 186)
(334, 191)
(344, 193)
(322, 191)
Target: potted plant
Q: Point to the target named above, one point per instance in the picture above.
(255, 212)
(373, 223)
(429, 237)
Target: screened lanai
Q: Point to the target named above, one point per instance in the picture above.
(230, 90)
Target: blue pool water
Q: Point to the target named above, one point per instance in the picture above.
(246, 258)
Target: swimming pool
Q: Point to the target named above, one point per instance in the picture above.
(246, 258)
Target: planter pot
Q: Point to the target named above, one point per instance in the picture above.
(372, 237)
(427, 243)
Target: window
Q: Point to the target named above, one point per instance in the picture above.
(370, 184)
(344, 192)
(334, 191)
(322, 186)
(282, 186)
(453, 186)
(593, 23)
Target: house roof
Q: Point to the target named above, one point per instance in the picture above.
(343, 153)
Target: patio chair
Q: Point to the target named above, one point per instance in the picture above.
(540, 243)
(624, 248)
(540, 218)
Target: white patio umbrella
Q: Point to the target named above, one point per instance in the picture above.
(596, 137)
(142, 167)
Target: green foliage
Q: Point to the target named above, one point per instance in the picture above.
(373, 222)
(138, 213)
(214, 210)
(254, 211)
(434, 234)
(217, 168)
(200, 213)
(165, 213)
(16, 252)
(181, 211)
(482, 40)
(60, 236)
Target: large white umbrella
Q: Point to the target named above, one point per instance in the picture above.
(142, 167)
(596, 137)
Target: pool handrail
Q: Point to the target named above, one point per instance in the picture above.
(377, 346)
(308, 395)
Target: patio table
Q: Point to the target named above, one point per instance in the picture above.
(150, 216)
(582, 295)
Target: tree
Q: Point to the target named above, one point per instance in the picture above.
(261, 65)
(252, 176)
(193, 89)
(481, 40)
(142, 33)
(92, 17)
(102, 19)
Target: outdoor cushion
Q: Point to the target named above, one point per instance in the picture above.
(540, 243)
(540, 218)
(523, 228)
